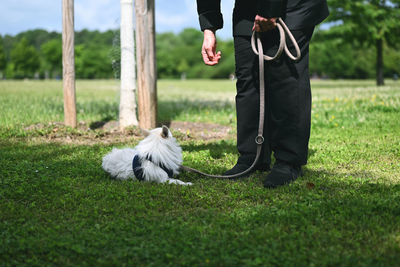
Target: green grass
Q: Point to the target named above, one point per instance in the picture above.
(58, 207)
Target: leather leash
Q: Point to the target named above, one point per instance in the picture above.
(283, 30)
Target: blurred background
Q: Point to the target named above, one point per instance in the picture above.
(359, 40)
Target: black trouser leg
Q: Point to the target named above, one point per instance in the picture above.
(288, 100)
(247, 103)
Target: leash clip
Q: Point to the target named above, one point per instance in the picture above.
(259, 139)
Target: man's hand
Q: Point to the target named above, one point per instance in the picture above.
(208, 50)
(264, 24)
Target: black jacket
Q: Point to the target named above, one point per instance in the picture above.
(297, 14)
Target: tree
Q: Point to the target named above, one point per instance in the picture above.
(52, 55)
(330, 58)
(93, 62)
(370, 22)
(37, 37)
(25, 59)
(167, 45)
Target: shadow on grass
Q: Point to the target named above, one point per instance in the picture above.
(61, 194)
(63, 159)
(218, 151)
(99, 124)
(343, 218)
(49, 161)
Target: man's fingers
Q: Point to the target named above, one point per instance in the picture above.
(210, 53)
(260, 19)
(262, 24)
(209, 60)
(210, 57)
(257, 27)
(207, 56)
(263, 27)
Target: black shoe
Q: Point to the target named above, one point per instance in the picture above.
(282, 173)
(241, 167)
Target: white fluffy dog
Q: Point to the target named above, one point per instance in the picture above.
(157, 158)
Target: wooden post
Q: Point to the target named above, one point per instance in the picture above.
(68, 63)
(146, 63)
(127, 104)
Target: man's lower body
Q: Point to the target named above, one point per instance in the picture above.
(287, 107)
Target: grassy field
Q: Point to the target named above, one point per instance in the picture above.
(58, 207)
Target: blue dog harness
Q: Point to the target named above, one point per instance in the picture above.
(138, 170)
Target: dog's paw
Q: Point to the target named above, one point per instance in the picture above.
(176, 181)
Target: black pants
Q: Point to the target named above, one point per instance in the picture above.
(288, 100)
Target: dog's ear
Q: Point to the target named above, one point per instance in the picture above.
(145, 132)
(164, 132)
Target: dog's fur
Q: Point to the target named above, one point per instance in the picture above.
(160, 146)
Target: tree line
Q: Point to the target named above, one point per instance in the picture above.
(38, 54)
(345, 50)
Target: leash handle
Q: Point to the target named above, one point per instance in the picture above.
(283, 32)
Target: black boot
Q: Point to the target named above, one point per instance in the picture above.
(243, 165)
(282, 173)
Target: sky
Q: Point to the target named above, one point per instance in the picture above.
(171, 15)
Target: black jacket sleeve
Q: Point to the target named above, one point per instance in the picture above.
(271, 8)
(210, 16)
